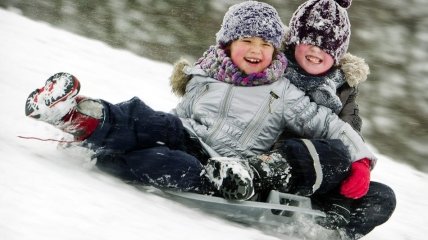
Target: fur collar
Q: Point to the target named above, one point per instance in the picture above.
(354, 68)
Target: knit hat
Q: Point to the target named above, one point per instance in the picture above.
(323, 23)
(251, 19)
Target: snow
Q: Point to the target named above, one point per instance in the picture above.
(49, 193)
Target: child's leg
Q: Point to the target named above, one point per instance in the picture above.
(124, 127)
(370, 211)
(317, 166)
(131, 140)
(336, 207)
(298, 166)
(157, 166)
(132, 125)
(240, 179)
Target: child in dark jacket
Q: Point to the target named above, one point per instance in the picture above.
(318, 38)
(315, 47)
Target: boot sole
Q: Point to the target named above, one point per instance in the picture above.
(70, 91)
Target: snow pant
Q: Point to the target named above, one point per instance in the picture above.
(317, 165)
(138, 144)
(318, 174)
(366, 213)
(141, 145)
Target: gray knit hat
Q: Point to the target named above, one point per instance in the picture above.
(323, 23)
(251, 19)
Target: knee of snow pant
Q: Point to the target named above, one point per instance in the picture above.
(320, 171)
(372, 210)
(166, 168)
(193, 146)
(134, 125)
(114, 163)
(159, 167)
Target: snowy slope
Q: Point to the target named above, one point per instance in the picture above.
(47, 193)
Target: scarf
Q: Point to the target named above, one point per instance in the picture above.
(218, 65)
(320, 89)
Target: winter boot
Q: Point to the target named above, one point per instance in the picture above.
(271, 172)
(57, 103)
(239, 179)
(337, 209)
(54, 100)
(231, 177)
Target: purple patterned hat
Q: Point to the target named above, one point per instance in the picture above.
(251, 19)
(323, 23)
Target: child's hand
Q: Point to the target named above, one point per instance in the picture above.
(357, 183)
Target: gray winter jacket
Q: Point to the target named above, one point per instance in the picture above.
(234, 121)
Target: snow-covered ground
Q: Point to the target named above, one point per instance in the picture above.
(47, 193)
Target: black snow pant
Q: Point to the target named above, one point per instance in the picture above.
(366, 213)
(318, 174)
(140, 145)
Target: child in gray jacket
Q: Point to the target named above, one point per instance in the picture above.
(236, 105)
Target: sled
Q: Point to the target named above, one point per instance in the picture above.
(279, 208)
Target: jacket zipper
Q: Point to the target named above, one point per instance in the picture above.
(204, 90)
(222, 112)
(259, 117)
(273, 97)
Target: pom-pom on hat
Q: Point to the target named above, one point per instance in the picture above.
(323, 23)
(251, 19)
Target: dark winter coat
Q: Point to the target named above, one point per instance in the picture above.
(350, 109)
(354, 70)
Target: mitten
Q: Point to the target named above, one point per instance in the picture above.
(325, 95)
(357, 183)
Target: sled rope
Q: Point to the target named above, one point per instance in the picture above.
(47, 139)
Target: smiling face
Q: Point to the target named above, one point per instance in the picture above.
(312, 59)
(251, 55)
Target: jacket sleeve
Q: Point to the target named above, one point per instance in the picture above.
(310, 120)
(350, 109)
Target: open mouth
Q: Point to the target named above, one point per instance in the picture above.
(253, 60)
(313, 59)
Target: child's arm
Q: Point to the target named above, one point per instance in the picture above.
(350, 109)
(354, 70)
(313, 121)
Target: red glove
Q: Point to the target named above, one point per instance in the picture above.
(358, 181)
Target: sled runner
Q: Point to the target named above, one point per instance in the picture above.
(279, 208)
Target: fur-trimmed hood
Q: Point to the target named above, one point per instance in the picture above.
(179, 79)
(355, 69)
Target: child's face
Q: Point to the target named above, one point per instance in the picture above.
(312, 59)
(251, 55)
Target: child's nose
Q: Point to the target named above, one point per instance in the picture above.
(315, 48)
(256, 48)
